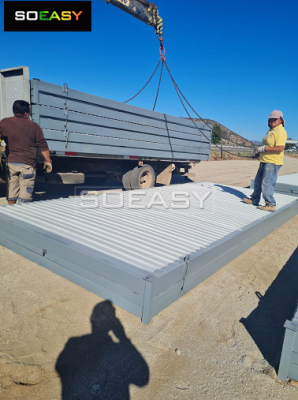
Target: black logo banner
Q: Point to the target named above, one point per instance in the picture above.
(47, 16)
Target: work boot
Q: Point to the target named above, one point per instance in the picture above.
(267, 207)
(249, 201)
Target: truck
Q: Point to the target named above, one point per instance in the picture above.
(98, 137)
(101, 138)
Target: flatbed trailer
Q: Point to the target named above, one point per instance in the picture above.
(90, 134)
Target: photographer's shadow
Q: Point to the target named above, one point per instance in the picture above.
(103, 364)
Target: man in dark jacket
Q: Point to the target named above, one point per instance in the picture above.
(23, 137)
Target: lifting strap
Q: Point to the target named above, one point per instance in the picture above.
(181, 98)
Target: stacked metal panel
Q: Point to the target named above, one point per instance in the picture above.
(286, 184)
(77, 122)
(288, 367)
(141, 249)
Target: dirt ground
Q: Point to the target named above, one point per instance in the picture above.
(237, 172)
(222, 340)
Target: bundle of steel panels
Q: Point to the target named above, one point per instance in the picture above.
(141, 249)
(286, 184)
(78, 122)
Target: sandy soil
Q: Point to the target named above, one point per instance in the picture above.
(237, 172)
(222, 340)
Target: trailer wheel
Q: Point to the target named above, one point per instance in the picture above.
(143, 177)
(126, 180)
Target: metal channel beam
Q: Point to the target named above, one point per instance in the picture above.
(160, 134)
(79, 122)
(91, 100)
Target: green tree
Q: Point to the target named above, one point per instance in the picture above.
(288, 145)
(216, 134)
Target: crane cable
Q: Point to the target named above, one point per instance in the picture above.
(158, 85)
(162, 59)
(180, 96)
(144, 85)
(178, 91)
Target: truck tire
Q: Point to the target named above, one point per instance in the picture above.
(126, 180)
(143, 177)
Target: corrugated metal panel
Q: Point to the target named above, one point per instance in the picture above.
(79, 122)
(287, 184)
(288, 367)
(142, 251)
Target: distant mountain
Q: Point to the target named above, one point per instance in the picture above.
(228, 137)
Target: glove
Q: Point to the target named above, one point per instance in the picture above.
(47, 167)
(261, 149)
(256, 155)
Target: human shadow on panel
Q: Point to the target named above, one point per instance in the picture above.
(265, 324)
(103, 364)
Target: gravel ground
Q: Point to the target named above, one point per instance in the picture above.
(222, 340)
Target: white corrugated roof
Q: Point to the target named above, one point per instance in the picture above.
(149, 238)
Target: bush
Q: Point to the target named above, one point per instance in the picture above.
(216, 134)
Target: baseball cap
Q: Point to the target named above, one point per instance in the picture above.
(276, 114)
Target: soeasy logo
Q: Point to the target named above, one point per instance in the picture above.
(46, 15)
(30, 16)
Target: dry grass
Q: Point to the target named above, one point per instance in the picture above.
(215, 156)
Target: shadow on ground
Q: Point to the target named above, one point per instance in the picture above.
(51, 191)
(233, 191)
(265, 323)
(103, 364)
(2, 190)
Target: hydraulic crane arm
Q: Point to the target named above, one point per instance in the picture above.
(143, 10)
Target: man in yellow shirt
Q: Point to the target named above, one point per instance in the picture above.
(271, 159)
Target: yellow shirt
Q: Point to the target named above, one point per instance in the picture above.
(274, 137)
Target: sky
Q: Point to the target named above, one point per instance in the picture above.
(235, 61)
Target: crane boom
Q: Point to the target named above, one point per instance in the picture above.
(143, 10)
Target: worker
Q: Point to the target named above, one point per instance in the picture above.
(23, 137)
(271, 159)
